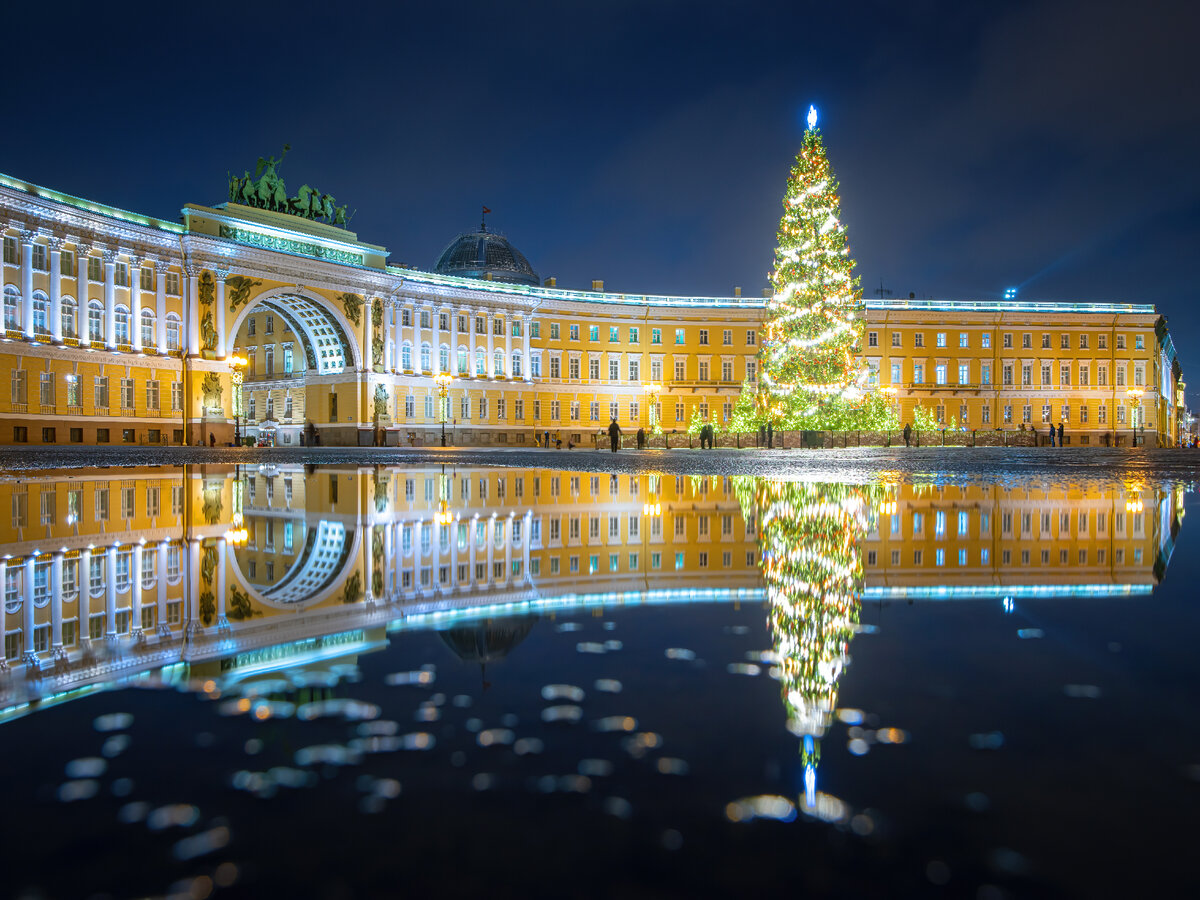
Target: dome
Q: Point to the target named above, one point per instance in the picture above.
(478, 254)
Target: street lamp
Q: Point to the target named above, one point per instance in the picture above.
(1135, 400)
(652, 391)
(443, 380)
(236, 364)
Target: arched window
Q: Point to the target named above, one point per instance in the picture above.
(95, 321)
(425, 357)
(498, 369)
(69, 310)
(516, 364)
(121, 324)
(147, 328)
(444, 359)
(173, 323)
(406, 357)
(480, 362)
(12, 307)
(463, 361)
(41, 313)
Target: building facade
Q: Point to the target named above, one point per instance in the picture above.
(120, 328)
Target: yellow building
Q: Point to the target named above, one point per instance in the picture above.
(120, 328)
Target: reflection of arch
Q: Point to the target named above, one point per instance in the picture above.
(319, 566)
(323, 330)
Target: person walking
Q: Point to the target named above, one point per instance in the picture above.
(547, 441)
(641, 439)
(1051, 435)
(907, 434)
(614, 435)
(1060, 435)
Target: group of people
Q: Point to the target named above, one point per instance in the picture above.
(1055, 439)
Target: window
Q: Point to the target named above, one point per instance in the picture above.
(941, 339)
(41, 313)
(555, 370)
(987, 415)
(634, 370)
(614, 334)
(985, 340)
(1064, 375)
(919, 339)
(1007, 413)
(727, 337)
(172, 331)
(12, 307)
(1101, 376)
(896, 375)
(127, 393)
(895, 339)
(574, 332)
(1083, 342)
(703, 336)
(918, 373)
(573, 367)
(10, 250)
(68, 309)
(1102, 414)
(985, 376)
(1045, 342)
(751, 370)
(147, 328)
(703, 370)
(498, 327)
(872, 338)
(121, 325)
(678, 335)
(593, 332)
(680, 370)
(1139, 342)
(95, 271)
(962, 339)
(1045, 413)
(1102, 342)
(940, 374)
(100, 395)
(1007, 376)
(1027, 341)
(176, 396)
(594, 368)
(1120, 342)
(656, 335)
(964, 374)
(1008, 341)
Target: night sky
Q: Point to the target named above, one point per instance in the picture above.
(1047, 145)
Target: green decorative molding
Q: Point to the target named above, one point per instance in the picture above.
(286, 245)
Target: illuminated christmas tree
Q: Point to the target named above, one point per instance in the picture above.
(812, 565)
(812, 376)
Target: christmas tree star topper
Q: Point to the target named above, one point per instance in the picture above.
(812, 116)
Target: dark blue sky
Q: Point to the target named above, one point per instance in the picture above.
(1051, 145)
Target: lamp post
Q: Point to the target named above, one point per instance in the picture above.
(1135, 412)
(443, 380)
(236, 364)
(652, 390)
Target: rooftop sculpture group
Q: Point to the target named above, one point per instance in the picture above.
(266, 190)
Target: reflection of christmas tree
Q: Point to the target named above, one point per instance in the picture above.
(811, 374)
(812, 566)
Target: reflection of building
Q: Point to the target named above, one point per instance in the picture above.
(961, 541)
(352, 549)
(135, 570)
(344, 348)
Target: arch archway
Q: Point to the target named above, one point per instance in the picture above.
(330, 342)
(319, 570)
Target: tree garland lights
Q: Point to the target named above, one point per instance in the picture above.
(811, 376)
(812, 565)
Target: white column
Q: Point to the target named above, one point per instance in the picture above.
(369, 565)
(454, 342)
(160, 305)
(110, 299)
(110, 595)
(30, 657)
(83, 581)
(222, 620)
(454, 554)
(367, 350)
(55, 322)
(135, 303)
(191, 588)
(526, 322)
(397, 562)
(191, 306)
(390, 337)
(3, 611)
(436, 323)
(135, 593)
(160, 575)
(508, 548)
(27, 285)
(82, 254)
(416, 565)
(489, 369)
(56, 600)
(526, 534)
(491, 549)
(222, 274)
(508, 347)
(472, 528)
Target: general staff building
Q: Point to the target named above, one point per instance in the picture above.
(243, 322)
